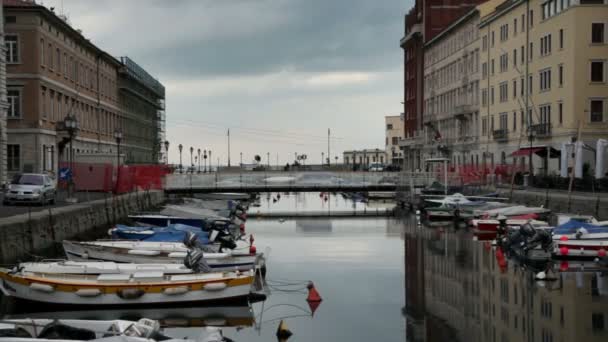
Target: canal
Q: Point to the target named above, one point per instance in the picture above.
(391, 279)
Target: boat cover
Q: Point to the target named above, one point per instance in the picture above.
(572, 226)
(172, 233)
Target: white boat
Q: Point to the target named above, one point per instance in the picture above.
(515, 210)
(97, 267)
(144, 252)
(137, 288)
(451, 200)
(43, 330)
(567, 248)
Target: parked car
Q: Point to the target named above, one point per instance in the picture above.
(376, 168)
(30, 188)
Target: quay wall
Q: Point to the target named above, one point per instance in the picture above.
(26, 235)
(561, 202)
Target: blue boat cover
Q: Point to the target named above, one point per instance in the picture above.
(172, 233)
(572, 226)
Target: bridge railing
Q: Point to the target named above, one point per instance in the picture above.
(241, 180)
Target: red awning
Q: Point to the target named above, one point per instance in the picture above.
(526, 151)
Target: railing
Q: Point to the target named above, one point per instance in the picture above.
(501, 135)
(542, 130)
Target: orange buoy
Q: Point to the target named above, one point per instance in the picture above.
(313, 294)
(283, 333)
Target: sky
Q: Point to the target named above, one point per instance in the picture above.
(277, 73)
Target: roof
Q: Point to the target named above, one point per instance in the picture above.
(31, 6)
(500, 10)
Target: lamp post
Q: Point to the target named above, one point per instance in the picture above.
(199, 160)
(204, 161)
(167, 151)
(322, 158)
(180, 147)
(210, 161)
(191, 163)
(71, 125)
(268, 159)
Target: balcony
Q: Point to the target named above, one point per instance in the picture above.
(501, 135)
(541, 130)
(411, 142)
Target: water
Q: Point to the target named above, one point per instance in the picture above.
(386, 279)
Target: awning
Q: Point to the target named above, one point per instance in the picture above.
(540, 151)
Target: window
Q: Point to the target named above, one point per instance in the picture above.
(492, 39)
(504, 121)
(597, 33)
(492, 95)
(515, 26)
(561, 38)
(560, 112)
(530, 79)
(523, 22)
(597, 71)
(13, 154)
(49, 56)
(42, 60)
(597, 110)
(389, 126)
(65, 65)
(484, 126)
(515, 130)
(395, 140)
(531, 51)
(43, 98)
(504, 32)
(514, 57)
(484, 70)
(545, 114)
(484, 97)
(523, 54)
(545, 45)
(514, 88)
(13, 96)
(52, 104)
(504, 62)
(58, 60)
(503, 92)
(521, 87)
(531, 18)
(545, 79)
(492, 66)
(560, 75)
(484, 43)
(11, 44)
(597, 321)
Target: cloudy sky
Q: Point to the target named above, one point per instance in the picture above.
(278, 73)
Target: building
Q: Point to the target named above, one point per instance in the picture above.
(362, 159)
(393, 133)
(451, 91)
(55, 72)
(544, 77)
(423, 22)
(3, 103)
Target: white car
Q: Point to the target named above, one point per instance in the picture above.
(376, 168)
(30, 188)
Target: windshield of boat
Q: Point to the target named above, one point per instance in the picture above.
(24, 179)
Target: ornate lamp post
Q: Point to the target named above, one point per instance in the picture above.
(205, 159)
(191, 163)
(181, 167)
(199, 160)
(71, 125)
(167, 151)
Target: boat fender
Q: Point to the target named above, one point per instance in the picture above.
(143, 252)
(177, 255)
(130, 293)
(215, 287)
(173, 291)
(42, 287)
(88, 292)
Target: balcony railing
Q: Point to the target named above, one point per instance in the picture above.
(501, 135)
(541, 130)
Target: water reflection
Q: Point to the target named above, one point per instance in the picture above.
(455, 290)
(313, 202)
(317, 225)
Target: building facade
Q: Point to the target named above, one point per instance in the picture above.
(54, 72)
(544, 81)
(424, 21)
(362, 159)
(393, 133)
(3, 103)
(451, 91)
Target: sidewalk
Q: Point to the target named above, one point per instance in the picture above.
(17, 209)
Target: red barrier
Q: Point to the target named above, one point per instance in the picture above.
(105, 177)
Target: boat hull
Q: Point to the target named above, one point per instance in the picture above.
(580, 248)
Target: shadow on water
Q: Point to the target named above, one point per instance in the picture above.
(456, 290)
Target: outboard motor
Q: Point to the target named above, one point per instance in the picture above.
(542, 238)
(196, 262)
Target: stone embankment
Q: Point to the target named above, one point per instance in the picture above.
(37, 233)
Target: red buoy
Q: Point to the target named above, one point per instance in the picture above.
(601, 253)
(563, 238)
(564, 265)
(313, 294)
(252, 250)
(564, 250)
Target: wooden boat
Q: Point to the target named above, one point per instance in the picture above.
(138, 288)
(42, 330)
(143, 252)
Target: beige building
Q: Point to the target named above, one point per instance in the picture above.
(362, 159)
(544, 75)
(3, 103)
(393, 132)
(55, 72)
(451, 92)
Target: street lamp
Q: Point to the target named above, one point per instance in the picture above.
(205, 161)
(210, 164)
(241, 159)
(322, 158)
(199, 160)
(181, 167)
(268, 158)
(191, 163)
(167, 151)
(71, 125)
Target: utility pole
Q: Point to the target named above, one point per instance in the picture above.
(328, 154)
(228, 147)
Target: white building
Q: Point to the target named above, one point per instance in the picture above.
(393, 132)
(362, 159)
